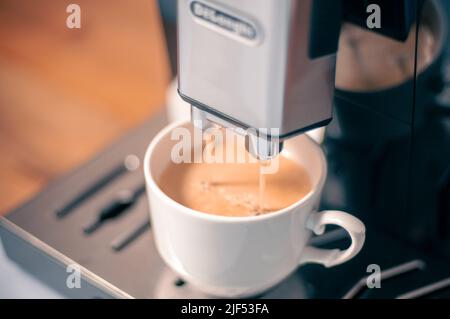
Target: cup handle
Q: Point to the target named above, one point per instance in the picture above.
(332, 257)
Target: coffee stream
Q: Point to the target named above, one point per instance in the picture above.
(209, 142)
(262, 185)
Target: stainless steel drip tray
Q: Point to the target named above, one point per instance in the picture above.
(45, 244)
(119, 259)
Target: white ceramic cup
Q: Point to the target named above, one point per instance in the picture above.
(244, 256)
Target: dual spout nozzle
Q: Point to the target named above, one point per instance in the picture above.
(260, 145)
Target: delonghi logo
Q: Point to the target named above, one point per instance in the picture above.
(224, 21)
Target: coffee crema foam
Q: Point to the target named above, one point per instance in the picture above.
(232, 189)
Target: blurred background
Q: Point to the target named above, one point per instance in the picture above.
(65, 94)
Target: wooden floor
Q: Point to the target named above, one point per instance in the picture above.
(67, 93)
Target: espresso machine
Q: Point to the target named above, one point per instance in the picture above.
(270, 65)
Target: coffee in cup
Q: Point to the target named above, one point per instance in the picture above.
(233, 189)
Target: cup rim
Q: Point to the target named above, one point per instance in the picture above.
(152, 184)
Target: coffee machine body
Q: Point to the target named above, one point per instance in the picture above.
(257, 66)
